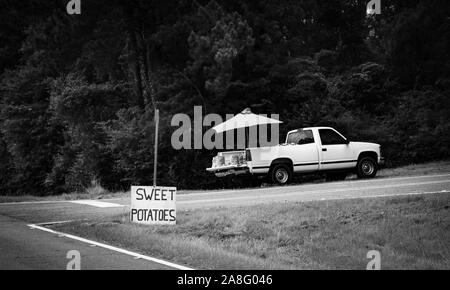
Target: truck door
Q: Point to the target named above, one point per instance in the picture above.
(302, 148)
(335, 152)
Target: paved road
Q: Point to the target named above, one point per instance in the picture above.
(22, 248)
(322, 191)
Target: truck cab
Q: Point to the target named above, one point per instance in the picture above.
(306, 150)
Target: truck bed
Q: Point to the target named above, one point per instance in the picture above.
(228, 165)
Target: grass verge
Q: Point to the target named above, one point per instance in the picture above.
(97, 192)
(411, 232)
(89, 194)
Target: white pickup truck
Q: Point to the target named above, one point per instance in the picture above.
(306, 150)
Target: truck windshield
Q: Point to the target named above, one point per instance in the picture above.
(300, 137)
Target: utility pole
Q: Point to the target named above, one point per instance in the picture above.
(155, 164)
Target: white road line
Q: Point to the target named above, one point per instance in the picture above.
(297, 193)
(33, 202)
(382, 195)
(53, 223)
(96, 203)
(112, 248)
(51, 201)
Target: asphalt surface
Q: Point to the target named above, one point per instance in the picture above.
(25, 248)
(22, 248)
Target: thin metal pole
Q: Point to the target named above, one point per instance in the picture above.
(155, 164)
(247, 134)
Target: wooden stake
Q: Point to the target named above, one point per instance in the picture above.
(155, 164)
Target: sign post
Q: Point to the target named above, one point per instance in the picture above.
(155, 164)
(153, 205)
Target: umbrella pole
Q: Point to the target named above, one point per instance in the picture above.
(246, 137)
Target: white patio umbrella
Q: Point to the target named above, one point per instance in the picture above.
(244, 119)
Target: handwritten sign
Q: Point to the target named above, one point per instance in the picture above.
(153, 205)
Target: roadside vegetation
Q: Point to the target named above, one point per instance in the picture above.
(93, 191)
(410, 232)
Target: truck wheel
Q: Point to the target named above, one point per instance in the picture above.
(366, 168)
(281, 174)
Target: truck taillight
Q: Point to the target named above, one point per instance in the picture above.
(248, 155)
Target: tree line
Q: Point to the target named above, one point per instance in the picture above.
(78, 92)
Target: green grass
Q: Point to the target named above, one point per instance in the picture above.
(439, 167)
(410, 232)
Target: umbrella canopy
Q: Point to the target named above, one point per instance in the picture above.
(244, 119)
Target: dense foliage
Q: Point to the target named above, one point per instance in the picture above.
(78, 92)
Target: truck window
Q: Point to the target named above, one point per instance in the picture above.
(301, 137)
(330, 137)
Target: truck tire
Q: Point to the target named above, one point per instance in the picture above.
(281, 174)
(367, 167)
